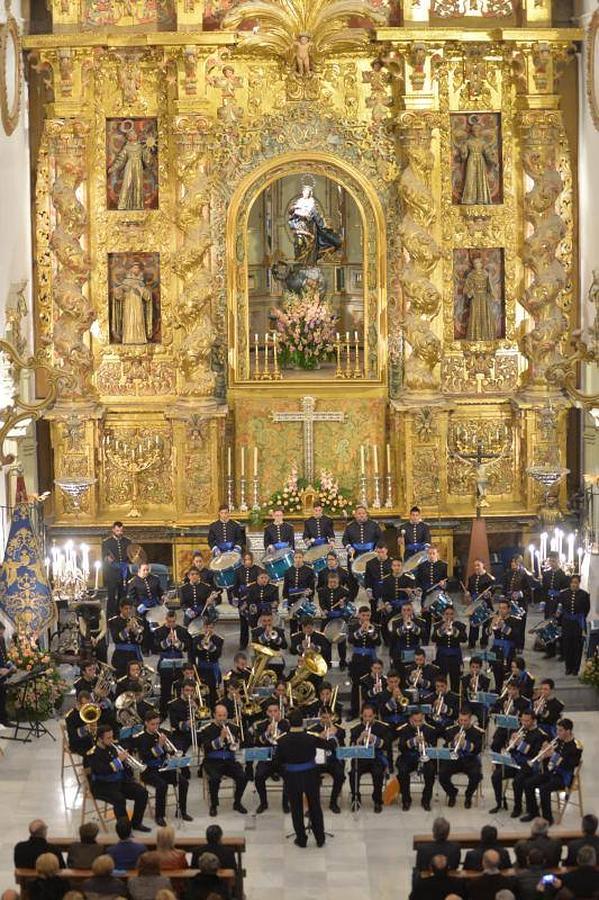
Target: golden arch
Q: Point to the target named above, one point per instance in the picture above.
(374, 261)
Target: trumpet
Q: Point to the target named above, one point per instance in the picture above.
(169, 744)
(474, 685)
(233, 744)
(544, 752)
(539, 706)
(506, 683)
(401, 698)
(459, 743)
(366, 735)
(378, 685)
(369, 630)
(421, 744)
(134, 625)
(515, 739)
(415, 676)
(439, 707)
(130, 760)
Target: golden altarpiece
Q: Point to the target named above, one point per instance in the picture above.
(436, 142)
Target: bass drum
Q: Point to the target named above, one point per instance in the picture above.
(225, 568)
(317, 557)
(358, 566)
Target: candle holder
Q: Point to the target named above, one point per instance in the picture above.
(348, 357)
(357, 369)
(243, 507)
(277, 374)
(389, 497)
(134, 455)
(363, 498)
(75, 489)
(338, 370)
(256, 501)
(377, 492)
(230, 502)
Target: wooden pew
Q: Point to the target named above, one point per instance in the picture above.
(468, 839)
(77, 876)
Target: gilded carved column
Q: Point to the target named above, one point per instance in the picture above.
(422, 300)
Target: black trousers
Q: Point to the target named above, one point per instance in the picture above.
(546, 782)
(408, 763)
(244, 632)
(518, 776)
(167, 677)
(117, 794)
(336, 770)
(451, 666)
(264, 771)
(469, 765)
(358, 666)
(160, 782)
(572, 645)
(218, 769)
(376, 769)
(298, 784)
(473, 633)
(116, 591)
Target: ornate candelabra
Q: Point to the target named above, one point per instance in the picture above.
(377, 491)
(243, 507)
(389, 497)
(548, 474)
(70, 570)
(75, 489)
(256, 498)
(363, 497)
(230, 502)
(133, 456)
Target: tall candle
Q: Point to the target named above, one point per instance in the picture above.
(229, 462)
(47, 565)
(570, 541)
(97, 565)
(243, 461)
(544, 537)
(579, 552)
(255, 462)
(531, 550)
(538, 558)
(388, 459)
(375, 453)
(362, 462)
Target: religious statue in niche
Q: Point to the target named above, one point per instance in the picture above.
(311, 237)
(134, 295)
(221, 75)
(132, 164)
(476, 159)
(479, 307)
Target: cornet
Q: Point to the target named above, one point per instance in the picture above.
(474, 685)
(415, 676)
(130, 760)
(169, 745)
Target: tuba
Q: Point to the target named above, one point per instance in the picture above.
(260, 676)
(311, 663)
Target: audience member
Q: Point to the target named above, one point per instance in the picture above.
(26, 852)
(491, 881)
(440, 884)
(103, 884)
(166, 895)
(439, 846)
(539, 839)
(83, 852)
(126, 852)
(488, 841)
(10, 895)
(528, 878)
(214, 844)
(207, 882)
(584, 880)
(48, 885)
(148, 880)
(589, 839)
(505, 895)
(74, 895)
(170, 857)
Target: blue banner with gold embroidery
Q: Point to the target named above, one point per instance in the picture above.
(25, 595)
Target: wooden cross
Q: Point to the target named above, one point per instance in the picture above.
(308, 416)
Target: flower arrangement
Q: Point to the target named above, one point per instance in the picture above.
(44, 696)
(305, 326)
(335, 500)
(590, 672)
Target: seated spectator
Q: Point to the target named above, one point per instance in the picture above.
(439, 846)
(103, 884)
(440, 884)
(149, 880)
(214, 844)
(126, 852)
(83, 852)
(539, 839)
(589, 839)
(74, 895)
(505, 895)
(528, 878)
(166, 895)
(584, 880)
(26, 852)
(488, 841)
(491, 881)
(207, 882)
(48, 885)
(170, 857)
(9, 895)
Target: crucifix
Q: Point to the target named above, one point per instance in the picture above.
(480, 458)
(308, 416)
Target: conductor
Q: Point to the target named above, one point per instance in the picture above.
(296, 754)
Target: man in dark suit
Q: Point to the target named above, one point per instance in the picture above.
(488, 841)
(439, 846)
(440, 885)
(27, 852)
(550, 848)
(491, 881)
(225, 855)
(589, 839)
(584, 880)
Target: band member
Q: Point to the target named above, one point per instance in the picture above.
(326, 699)
(574, 607)
(196, 595)
(364, 638)
(112, 778)
(362, 535)
(503, 632)
(377, 570)
(127, 634)
(406, 635)
(522, 745)
(521, 677)
(92, 630)
(415, 535)
(369, 733)
(509, 704)
(145, 592)
(553, 581)
(186, 673)
(419, 676)
(274, 638)
(413, 739)
(392, 704)
(116, 566)
(220, 739)
(81, 734)
(479, 583)
(444, 705)
(329, 731)
(131, 680)
(152, 747)
(278, 534)
(296, 754)
(466, 742)
(87, 679)
(298, 582)
(225, 534)
(262, 598)
(547, 708)
(518, 585)
(241, 670)
(172, 642)
(318, 529)
(373, 685)
(448, 636)
(430, 574)
(335, 602)
(333, 567)
(559, 762)
(206, 650)
(473, 683)
(245, 576)
(398, 589)
(308, 638)
(181, 713)
(266, 734)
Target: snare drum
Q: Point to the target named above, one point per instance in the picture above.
(277, 563)
(358, 566)
(480, 614)
(440, 603)
(317, 557)
(225, 568)
(549, 632)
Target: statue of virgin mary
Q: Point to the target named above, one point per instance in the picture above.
(311, 238)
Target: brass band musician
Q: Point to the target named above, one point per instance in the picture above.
(413, 739)
(448, 636)
(153, 748)
(329, 731)
(559, 760)
(364, 638)
(369, 733)
(206, 650)
(408, 632)
(266, 733)
(548, 708)
(522, 745)
(465, 741)
(111, 775)
(127, 634)
(173, 644)
(220, 740)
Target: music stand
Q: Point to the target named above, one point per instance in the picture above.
(438, 753)
(34, 727)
